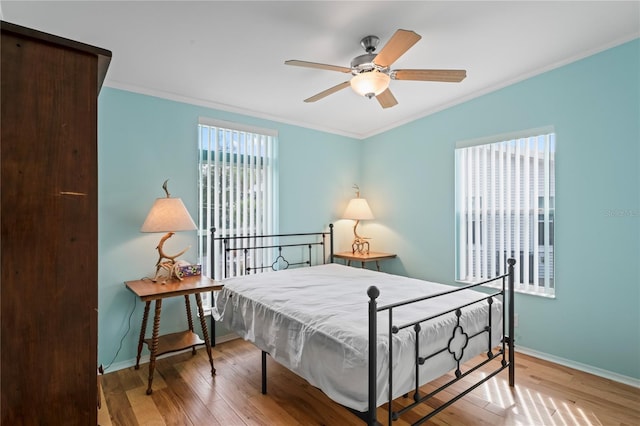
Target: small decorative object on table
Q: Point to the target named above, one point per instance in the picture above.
(187, 270)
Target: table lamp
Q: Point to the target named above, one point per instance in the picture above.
(358, 209)
(167, 215)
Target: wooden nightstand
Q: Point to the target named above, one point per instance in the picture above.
(149, 291)
(364, 258)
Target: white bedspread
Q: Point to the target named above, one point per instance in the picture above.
(314, 321)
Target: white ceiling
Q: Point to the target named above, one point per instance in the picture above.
(230, 55)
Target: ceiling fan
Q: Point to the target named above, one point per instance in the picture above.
(372, 73)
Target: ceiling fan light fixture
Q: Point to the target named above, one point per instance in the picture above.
(370, 84)
(372, 71)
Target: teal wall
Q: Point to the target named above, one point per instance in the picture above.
(594, 106)
(143, 140)
(407, 176)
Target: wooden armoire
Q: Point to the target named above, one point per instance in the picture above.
(49, 228)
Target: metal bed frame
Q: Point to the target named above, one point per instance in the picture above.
(506, 356)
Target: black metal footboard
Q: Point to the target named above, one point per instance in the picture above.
(506, 357)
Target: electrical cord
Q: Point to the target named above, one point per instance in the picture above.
(135, 299)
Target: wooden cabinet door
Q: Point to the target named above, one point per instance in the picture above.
(49, 232)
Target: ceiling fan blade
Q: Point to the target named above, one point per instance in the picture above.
(317, 65)
(451, 76)
(399, 43)
(386, 99)
(327, 92)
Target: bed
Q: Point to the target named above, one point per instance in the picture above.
(363, 337)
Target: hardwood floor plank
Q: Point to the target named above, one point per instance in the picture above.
(182, 393)
(186, 394)
(272, 410)
(225, 414)
(569, 414)
(144, 408)
(236, 389)
(306, 402)
(143, 376)
(120, 409)
(171, 412)
(104, 417)
(196, 372)
(130, 378)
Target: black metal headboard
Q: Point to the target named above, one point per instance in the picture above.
(249, 254)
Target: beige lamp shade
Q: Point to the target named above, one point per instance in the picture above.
(168, 215)
(358, 209)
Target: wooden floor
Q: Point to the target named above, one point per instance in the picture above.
(184, 393)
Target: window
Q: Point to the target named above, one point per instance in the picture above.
(505, 207)
(237, 187)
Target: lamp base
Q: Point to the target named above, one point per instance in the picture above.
(170, 265)
(360, 245)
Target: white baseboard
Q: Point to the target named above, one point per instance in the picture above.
(582, 367)
(144, 359)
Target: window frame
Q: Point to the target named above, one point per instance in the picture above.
(515, 239)
(250, 154)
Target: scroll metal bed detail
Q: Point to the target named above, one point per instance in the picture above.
(241, 247)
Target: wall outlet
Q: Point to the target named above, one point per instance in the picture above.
(516, 320)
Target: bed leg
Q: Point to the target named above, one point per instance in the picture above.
(264, 373)
(373, 294)
(512, 366)
(512, 337)
(213, 328)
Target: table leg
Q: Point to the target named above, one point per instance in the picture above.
(362, 264)
(187, 305)
(203, 323)
(154, 344)
(378, 265)
(213, 332)
(143, 330)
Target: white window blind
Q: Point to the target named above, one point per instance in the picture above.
(237, 187)
(505, 208)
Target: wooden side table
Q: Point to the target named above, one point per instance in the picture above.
(364, 258)
(149, 291)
